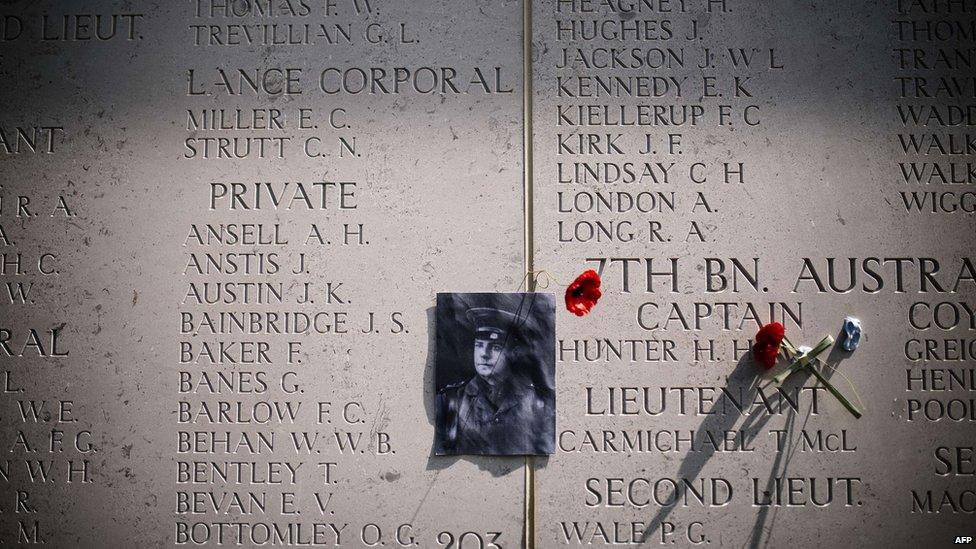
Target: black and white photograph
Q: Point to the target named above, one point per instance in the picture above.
(495, 374)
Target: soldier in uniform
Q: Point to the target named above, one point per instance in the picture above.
(500, 410)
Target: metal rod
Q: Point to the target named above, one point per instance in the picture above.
(528, 251)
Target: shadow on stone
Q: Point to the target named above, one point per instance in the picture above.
(723, 416)
(836, 356)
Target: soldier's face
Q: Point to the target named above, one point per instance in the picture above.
(490, 360)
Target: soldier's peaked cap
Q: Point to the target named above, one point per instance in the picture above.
(490, 323)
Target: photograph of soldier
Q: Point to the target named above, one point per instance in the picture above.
(495, 374)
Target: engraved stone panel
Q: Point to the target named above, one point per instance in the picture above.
(727, 164)
(249, 208)
(224, 225)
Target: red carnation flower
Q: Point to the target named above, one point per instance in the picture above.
(765, 349)
(583, 293)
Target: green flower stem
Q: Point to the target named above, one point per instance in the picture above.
(781, 377)
(833, 390)
(791, 352)
(806, 361)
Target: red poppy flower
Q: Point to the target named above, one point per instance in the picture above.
(765, 349)
(583, 293)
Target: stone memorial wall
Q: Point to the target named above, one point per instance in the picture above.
(224, 225)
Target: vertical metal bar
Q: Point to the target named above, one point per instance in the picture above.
(527, 140)
(528, 251)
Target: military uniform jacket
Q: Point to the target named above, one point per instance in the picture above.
(507, 419)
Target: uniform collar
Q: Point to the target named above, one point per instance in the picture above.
(477, 385)
(503, 397)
